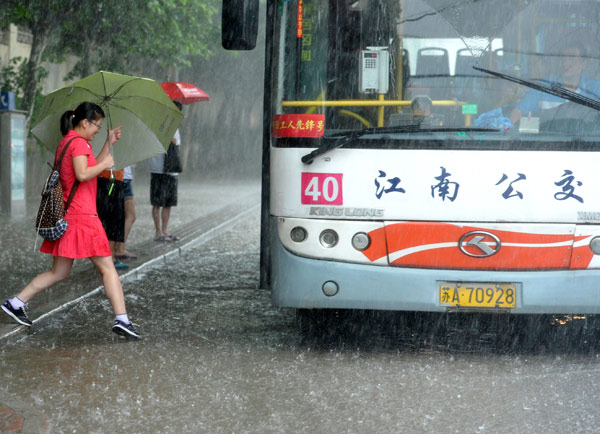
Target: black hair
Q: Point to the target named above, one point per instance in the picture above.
(86, 110)
(178, 105)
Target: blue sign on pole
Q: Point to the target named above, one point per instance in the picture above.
(7, 101)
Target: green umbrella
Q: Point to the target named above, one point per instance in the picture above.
(148, 116)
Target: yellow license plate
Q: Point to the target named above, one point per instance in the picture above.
(478, 294)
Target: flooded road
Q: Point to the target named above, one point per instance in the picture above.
(218, 358)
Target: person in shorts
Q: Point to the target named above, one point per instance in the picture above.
(163, 193)
(110, 202)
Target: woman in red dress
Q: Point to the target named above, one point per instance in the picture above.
(85, 237)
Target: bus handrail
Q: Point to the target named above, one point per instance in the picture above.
(381, 103)
(366, 103)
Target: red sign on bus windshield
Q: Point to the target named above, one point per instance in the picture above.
(299, 19)
(298, 125)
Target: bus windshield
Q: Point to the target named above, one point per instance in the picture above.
(455, 72)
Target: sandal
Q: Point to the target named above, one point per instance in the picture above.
(161, 238)
(171, 237)
(126, 256)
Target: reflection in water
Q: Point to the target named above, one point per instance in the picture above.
(451, 333)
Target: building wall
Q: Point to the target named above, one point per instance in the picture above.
(15, 41)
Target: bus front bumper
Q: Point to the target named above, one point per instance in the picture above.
(301, 282)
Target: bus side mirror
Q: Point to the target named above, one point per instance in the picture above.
(239, 24)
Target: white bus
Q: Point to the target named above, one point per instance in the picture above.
(435, 155)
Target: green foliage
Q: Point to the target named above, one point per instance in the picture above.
(10, 79)
(13, 78)
(181, 28)
(118, 36)
(125, 36)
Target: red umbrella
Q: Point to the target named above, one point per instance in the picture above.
(184, 93)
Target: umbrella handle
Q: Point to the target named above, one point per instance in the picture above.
(112, 184)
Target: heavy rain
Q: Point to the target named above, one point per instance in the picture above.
(363, 242)
(218, 357)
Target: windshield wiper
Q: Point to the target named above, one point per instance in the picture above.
(552, 89)
(347, 137)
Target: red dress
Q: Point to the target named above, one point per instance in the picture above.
(85, 236)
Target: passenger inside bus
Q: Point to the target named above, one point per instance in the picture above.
(572, 77)
(421, 106)
(501, 97)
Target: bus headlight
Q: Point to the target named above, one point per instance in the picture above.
(361, 241)
(298, 234)
(328, 238)
(595, 245)
(337, 240)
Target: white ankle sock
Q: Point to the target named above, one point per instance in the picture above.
(123, 317)
(17, 303)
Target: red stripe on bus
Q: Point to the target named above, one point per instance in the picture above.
(435, 245)
(582, 255)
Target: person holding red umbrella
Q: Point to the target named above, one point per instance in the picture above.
(163, 192)
(163, 184)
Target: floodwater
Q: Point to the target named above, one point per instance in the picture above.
(218, 358)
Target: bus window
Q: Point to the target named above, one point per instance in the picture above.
(432, 48)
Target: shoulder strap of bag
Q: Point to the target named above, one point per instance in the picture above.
(73, 190)
(76, 183)
(62, 154)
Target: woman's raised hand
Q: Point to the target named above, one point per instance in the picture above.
(114, 135)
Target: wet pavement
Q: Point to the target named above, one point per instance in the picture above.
(217, 357)
(204, 208)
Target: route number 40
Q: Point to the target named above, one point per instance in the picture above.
(322, 189)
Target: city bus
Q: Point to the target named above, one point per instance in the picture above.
(429, 155)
